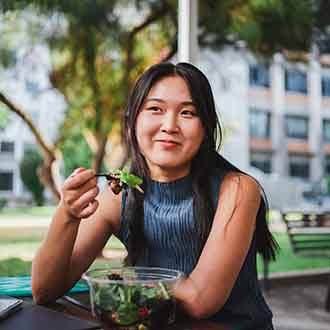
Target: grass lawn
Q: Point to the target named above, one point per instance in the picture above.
(12, 266)
(287, 261)
(17, 248)
(43, 211)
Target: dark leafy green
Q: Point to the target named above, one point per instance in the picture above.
(148, 306)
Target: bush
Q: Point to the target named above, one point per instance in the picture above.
(15, 267)
(28, 170)
(3, 203)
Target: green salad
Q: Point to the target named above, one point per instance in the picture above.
(136, 306)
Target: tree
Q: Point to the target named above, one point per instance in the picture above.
(28, 169)
(96, 57)
(100, 47)
(76, 153)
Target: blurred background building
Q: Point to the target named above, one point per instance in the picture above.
(275, 115)
(276, 118)
(28, 83)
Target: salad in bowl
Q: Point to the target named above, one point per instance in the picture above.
(137, 298)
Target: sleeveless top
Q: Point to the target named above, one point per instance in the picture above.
(172, 243)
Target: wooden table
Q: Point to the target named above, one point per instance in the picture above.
(188, 324)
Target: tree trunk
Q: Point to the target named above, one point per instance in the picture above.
(99, 154)
(46, 171)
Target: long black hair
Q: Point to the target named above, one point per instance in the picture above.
(201, 93)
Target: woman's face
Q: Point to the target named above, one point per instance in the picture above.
(168, 130)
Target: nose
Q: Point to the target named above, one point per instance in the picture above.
(170, 123)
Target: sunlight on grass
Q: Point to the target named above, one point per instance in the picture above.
(24, 250)
(41, 211)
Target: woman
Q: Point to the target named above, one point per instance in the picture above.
(198, 214)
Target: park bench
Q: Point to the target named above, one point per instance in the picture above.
(309, 235)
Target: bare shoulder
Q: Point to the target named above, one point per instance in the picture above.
(244, 185)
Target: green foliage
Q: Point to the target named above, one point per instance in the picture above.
(97, 52)
(4, 117)
(28, 169)
(15, 267)
(3, 203)
(266, 25)
(7, 57)
(76, 153)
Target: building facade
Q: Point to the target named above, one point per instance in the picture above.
(289, 117)
(275, 114)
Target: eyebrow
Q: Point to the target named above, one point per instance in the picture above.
(162, 101)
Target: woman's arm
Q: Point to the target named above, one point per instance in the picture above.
(207, 288)
(79, 229)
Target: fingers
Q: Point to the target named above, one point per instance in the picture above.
(79, 192)
(78, 178)
(89, 210)
(84, 200)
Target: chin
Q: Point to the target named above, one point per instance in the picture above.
(170, 164)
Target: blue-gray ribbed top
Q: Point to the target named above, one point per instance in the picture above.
(172, 243)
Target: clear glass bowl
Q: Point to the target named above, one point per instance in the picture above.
(133, 297)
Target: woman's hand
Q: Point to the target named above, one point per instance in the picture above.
(78, 194)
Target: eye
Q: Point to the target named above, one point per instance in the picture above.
(154, 109)
(188, 113)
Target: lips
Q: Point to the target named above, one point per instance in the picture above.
(168, 143)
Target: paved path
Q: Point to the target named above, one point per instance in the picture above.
(299, 306)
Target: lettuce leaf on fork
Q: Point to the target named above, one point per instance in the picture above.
(119, 179)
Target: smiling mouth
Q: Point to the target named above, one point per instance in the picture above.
(169, 142)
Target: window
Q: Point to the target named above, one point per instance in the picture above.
(325, 86)
(6, 181)
(295, 81)
(327, 165)
(299, 166)
(261, 160)
(259, 75)
(296, 127)
(7, 147)
(326, 130)
(259, 124)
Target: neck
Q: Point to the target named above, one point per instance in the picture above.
(168, 175)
